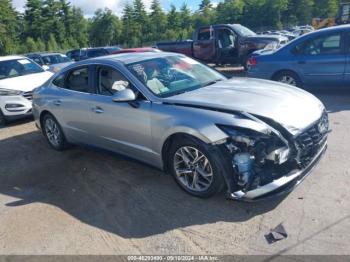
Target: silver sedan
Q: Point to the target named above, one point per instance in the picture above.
(254, 138)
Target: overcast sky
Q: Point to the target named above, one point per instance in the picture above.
(89, 6)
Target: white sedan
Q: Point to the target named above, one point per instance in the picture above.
(19, 76)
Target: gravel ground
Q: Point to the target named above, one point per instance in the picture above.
(83, 201)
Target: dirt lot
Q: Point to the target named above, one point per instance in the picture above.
(88, 202)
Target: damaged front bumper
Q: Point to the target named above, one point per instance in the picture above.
(280, 186)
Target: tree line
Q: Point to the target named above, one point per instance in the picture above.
(53, 25)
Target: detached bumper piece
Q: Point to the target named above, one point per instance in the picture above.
(280, 186)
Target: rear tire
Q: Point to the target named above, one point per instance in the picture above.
(289, 78)
(195, 167)
(53, 133)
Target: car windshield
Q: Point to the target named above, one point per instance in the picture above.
(18, 67)
(243, 31)
(172, 75)
(55, 59)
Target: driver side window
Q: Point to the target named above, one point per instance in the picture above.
(324, 45)
(110, 81)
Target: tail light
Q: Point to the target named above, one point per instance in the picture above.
(252, 61)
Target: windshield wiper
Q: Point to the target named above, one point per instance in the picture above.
(211, 82)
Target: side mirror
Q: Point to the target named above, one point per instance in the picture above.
(46, 68)
(125, 95)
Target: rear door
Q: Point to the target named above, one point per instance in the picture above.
(72, 104)
(322, 60)
(204, 47)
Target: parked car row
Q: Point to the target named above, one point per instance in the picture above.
(53, 62)
(291, 33)
(223, 44)
(86, 53)
(320, 58)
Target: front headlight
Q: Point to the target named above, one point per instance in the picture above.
(271, 46)
(7, 92)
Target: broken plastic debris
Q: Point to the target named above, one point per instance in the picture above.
(276, 234)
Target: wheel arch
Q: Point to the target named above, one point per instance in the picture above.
(284, 70)
(171, 138)
(41, 117)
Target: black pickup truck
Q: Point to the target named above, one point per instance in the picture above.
(223, 44)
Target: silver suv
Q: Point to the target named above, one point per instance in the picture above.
(256, 138)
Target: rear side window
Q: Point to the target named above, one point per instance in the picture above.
(96, 53)
(59, 81)
(36, 59)
(204, 34)
(78, 80)
(323, 45)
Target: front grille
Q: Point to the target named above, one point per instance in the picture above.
(28, 95)
(310, 142)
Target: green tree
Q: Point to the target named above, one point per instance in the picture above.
(205, 4)
(174, 22)
(205, 14)
(52, 44)
(77, 29)
(186, 21)
(33, 19)
(40, 45)
(8, 28)
(303, 10)
(230, 11)
(128, 26)
(326, 8)
(158, 21)
(30, 45)
(105, 28)
(141, 21)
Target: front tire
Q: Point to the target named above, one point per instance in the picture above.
(53, 133)
(289, 78)
(195, 168)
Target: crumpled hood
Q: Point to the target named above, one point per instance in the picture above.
(291, 107)
(25, 83)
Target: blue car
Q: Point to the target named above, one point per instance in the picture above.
(320, 58)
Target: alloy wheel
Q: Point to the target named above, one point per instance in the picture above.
(289, 80)
(193, 169)
(53, 132)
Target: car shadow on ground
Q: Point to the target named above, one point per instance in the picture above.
(107, 191)
(18, 122)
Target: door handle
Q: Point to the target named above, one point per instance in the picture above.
(57, 102)
(301, 62)
(97, 110)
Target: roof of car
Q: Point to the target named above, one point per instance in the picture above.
(10, 57)
(43, 53)
(129, 58)
(48, 54)
(333, 28)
